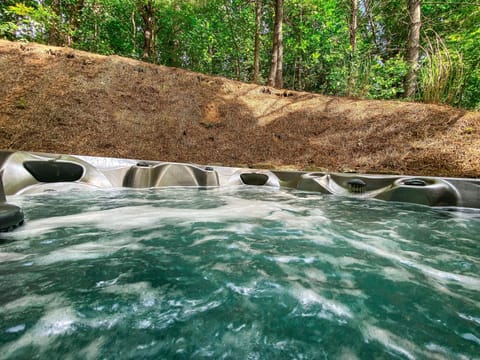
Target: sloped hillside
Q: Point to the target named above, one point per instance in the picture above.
(65, 101)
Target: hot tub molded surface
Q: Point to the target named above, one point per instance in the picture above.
(27, 173)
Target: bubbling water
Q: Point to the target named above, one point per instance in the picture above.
(247, 272)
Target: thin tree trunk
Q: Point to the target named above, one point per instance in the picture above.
(371, 22)
(75, 23)
(173, 58)
(413, 47)
(275, 77)
(148, 22)
(153, 45)
(279, 74)
(299, 62)
(256, 54)
(353, 27)
(96, 11)
(95, 35)
(134, 32)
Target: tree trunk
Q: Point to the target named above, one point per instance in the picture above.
(353, 27)
(273, 63)
(174, 42)
(299, 62)
(134, 32)
(275, 77)
(96, 12)
(72, 13)
(413, 47)
(371, 21)
(256, 54)
(279, 74)
(147, 13)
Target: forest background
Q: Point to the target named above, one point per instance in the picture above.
(356, 48)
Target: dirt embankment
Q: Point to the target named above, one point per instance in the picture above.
(65, 101)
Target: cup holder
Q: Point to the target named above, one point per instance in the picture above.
(254, 179)
(414, 182)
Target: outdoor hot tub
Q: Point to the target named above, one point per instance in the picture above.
(121, 259)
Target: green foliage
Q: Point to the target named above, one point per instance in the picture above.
(316, 45)
(21, 104)
(467, 42)
(468, 130)
(28, 22)
(385, 80)
(8, 30)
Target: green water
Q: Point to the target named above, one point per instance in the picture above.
(245, 273)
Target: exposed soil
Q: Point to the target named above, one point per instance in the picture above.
(65, 101)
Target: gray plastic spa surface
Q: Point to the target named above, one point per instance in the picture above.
(29, 173)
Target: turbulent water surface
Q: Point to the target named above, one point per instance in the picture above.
(247, 273)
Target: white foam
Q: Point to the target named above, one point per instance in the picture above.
(147, 216)
(141, 289)
(397, 274)
(54, 323)
(318, 280)
(205, 239)
(393, 342)
(343, 261)
(471, 337)
(347, 354)
(190, 311)
(92, 350)
(144, 324)
(400, 345)
(146, 297)
(105, 283)
(400, 257)
(316, 275)
(293, 259)
(11, 256)
(308, 297)
(473, 319)
(242, 290)
(106, 322)
(454, 294)
(244, 247)
(243, 338)
(33, 300)
(88, 250)
(436, 351)
(222, 267)
(243, 228)
(319, 239)
(298, 217)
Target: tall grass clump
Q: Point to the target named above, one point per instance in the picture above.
(441, 74)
